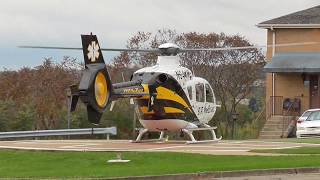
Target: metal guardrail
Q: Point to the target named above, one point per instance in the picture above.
(59, 132)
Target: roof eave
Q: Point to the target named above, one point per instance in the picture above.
(272, 26)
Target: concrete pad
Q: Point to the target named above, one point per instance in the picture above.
(224, 147)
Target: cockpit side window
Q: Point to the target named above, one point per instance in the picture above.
(189, 88)
(200, 92)
(209, 94)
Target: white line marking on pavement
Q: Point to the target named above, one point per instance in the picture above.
(79, 145)
(289, 147)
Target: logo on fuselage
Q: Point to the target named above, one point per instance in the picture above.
(93, 53)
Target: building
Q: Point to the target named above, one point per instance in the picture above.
(293, 63)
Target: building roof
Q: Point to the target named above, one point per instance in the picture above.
(294, 62)
(308, 18)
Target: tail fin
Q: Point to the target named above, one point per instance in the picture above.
(91, 49)
(95, 88)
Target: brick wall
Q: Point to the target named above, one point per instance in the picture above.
(290, 85)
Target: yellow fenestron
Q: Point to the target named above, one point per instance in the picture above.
(101, 89)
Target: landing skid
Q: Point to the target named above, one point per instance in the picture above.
(143, 131)
(206, 127)
(188, 131)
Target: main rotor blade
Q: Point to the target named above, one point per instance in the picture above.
(178, 50)
(50, 47)
(249, 47)
(102, 49)
(136, 50)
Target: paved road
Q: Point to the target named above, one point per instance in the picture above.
(220, 148)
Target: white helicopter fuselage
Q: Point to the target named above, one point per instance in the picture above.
(199, 99)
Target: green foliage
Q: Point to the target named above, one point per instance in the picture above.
(25, 118)
(7, 114)
(13, 117)
(245, 115)
(247, 125)
(122, 117)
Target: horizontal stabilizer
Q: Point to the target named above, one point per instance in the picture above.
(74, 102)
(74, 97)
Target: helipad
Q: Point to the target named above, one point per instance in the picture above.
(221, 148)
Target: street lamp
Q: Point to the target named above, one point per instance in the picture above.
(234, 116)
(69, 101)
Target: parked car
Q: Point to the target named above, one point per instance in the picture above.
(305, 115)
(309, 124)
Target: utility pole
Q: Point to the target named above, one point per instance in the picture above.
(134, 124)
(234, 119)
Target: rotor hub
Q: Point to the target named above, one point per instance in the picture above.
(169, 49)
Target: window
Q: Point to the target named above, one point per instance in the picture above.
(306, 114)
(200, 92)
(314, 116)
(190, 92)
(209, 94)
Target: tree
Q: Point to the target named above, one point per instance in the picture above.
(41, 88)
(144, 40)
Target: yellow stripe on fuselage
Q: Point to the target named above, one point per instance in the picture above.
(166, 94)
(144, 110)
(172, 110)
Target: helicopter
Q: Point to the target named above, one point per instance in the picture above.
(167, 96)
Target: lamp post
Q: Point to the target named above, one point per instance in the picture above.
(234, 119)
(69, 100)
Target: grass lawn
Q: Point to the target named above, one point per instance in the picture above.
(300, 150)
(93, 164)
(296, 140)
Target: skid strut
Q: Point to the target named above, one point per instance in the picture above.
(189, 132)
(143, 131)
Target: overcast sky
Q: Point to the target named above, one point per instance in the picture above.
(60, 22)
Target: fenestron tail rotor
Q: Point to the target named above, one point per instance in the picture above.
(95, 88)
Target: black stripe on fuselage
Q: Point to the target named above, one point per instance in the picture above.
(159, 104)
(159, 112)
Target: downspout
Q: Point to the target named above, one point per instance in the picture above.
(273, 74)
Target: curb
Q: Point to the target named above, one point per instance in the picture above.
(223, 174)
